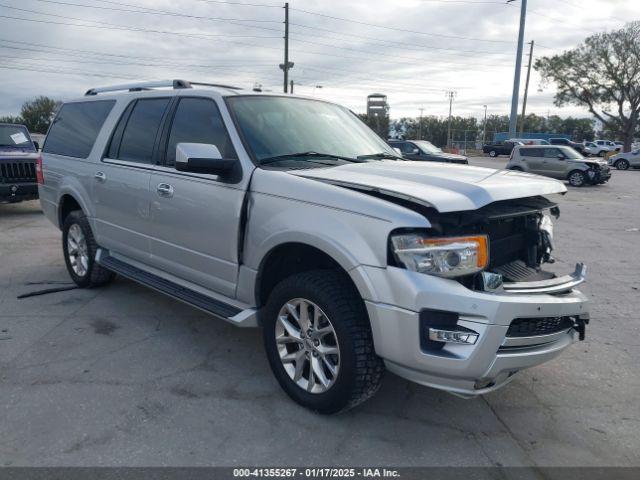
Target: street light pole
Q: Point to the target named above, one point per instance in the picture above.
(513, 119)
(451, 94)
(420, 125)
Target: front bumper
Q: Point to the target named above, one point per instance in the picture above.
(463, 369)
(16, 192)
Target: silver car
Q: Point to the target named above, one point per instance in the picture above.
(557, 161)
(624, 161)
(289, 213)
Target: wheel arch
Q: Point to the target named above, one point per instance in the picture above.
(291, 257)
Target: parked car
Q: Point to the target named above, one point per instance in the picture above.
(624, 161)
(499, 148)
(560, 162)
(578, 147)
(529, 141)
(425, 151)
(289, 213)
(590, 148)
(606, 146)
(18, 155)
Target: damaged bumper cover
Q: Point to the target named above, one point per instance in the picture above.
(499, 333)
(492, 282)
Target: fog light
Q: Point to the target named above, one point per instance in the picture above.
(468, 337)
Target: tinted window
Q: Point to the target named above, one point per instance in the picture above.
(551, 152)
(14, 137)
(406, 147)
(76, 127)
(139, 134)
(531, 152)
(198, 120)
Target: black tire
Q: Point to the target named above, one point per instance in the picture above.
(360, 369)
(516, 169)
(601, 153)
(577, 178)
(622, 164)
(95, 275)
(493, 153)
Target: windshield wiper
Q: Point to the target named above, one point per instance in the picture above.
(380, 155)
(306, 156)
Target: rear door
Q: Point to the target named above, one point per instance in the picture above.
(196, 217)
(121, 181)
(532, 158)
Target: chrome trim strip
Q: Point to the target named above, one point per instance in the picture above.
(533, 340)
(554, 285)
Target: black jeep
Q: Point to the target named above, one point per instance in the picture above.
(18, 158)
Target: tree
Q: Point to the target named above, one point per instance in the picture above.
(601, 74)
(377, 123)
(11, 119)
(37, 113)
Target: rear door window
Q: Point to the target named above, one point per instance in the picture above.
(76, 127)
(531, 152)
(198, 120)
(141, 129)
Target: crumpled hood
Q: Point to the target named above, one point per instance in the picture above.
(446, 187)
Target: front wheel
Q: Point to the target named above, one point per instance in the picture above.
(601, 153)
(319, 343)
(622, 164)
(577, 178)
(79, 248)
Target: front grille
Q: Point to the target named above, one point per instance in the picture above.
(530, 327)
(17, 172)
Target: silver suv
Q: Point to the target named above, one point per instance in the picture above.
(563, 163)
(290, 214)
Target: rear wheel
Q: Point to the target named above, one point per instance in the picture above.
(516, 169)
(601, 153)
(577, 178)
(622, 164)
(319, 343)
(493, 153)
(79, 249)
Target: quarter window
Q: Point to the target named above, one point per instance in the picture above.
(139, 135)
(198, 120)
(76, 127)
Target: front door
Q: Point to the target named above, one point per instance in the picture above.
(196, 217)
(554, 166)
(121, 182)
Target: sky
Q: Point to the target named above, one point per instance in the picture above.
(414, 51)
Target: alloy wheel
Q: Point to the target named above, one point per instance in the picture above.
(77, 251)
(576, 179)
(622, 164)
(307, 345)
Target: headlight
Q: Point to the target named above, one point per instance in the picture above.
(444, 256)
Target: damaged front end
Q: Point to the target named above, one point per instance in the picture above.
(520, 234)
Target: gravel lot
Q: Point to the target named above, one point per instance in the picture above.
(126, 376)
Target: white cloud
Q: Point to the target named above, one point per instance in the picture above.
(436, 48)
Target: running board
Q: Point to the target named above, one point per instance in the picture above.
(235, 315)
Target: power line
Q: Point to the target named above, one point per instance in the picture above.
(399, 29)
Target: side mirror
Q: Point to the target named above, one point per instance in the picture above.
(561, 156)
(202, 158)
(37, 145)
(415, 151)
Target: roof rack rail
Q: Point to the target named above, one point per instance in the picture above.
(140, 86)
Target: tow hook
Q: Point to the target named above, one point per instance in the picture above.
(580, 325)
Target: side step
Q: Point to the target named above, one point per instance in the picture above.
(237, 316)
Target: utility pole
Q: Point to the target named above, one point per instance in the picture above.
(420, 125)
(513, 118)
(484, 127)
(526, 89)
(450, 94)
(286, 65)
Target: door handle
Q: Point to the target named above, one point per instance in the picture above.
(100, 176)
(164, 190)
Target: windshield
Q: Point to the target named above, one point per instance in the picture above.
(15, 136)
(427, 147)
(286, 126)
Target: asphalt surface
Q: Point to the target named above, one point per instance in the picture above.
(124, 376)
